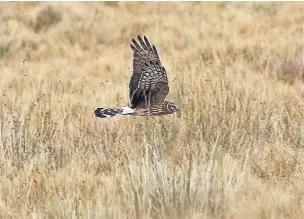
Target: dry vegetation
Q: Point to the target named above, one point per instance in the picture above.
(235, 150)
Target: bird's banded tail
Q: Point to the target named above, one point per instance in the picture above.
(109, 112)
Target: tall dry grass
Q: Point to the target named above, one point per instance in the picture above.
(235, 150)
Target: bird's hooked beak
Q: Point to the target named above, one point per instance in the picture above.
(179, 113)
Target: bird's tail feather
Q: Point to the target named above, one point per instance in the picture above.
(109, 112)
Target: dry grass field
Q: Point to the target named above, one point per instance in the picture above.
(234, 150)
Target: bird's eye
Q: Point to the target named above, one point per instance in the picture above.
(172, 108)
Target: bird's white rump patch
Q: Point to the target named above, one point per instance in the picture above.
(126, 110)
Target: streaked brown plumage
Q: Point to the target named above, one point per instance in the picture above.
(148, 86)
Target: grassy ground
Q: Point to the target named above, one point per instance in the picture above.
(235, 150)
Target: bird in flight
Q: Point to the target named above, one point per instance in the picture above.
(148, 86)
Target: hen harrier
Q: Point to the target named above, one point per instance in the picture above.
(148, 86)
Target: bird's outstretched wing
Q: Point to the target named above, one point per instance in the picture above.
(149, 83)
